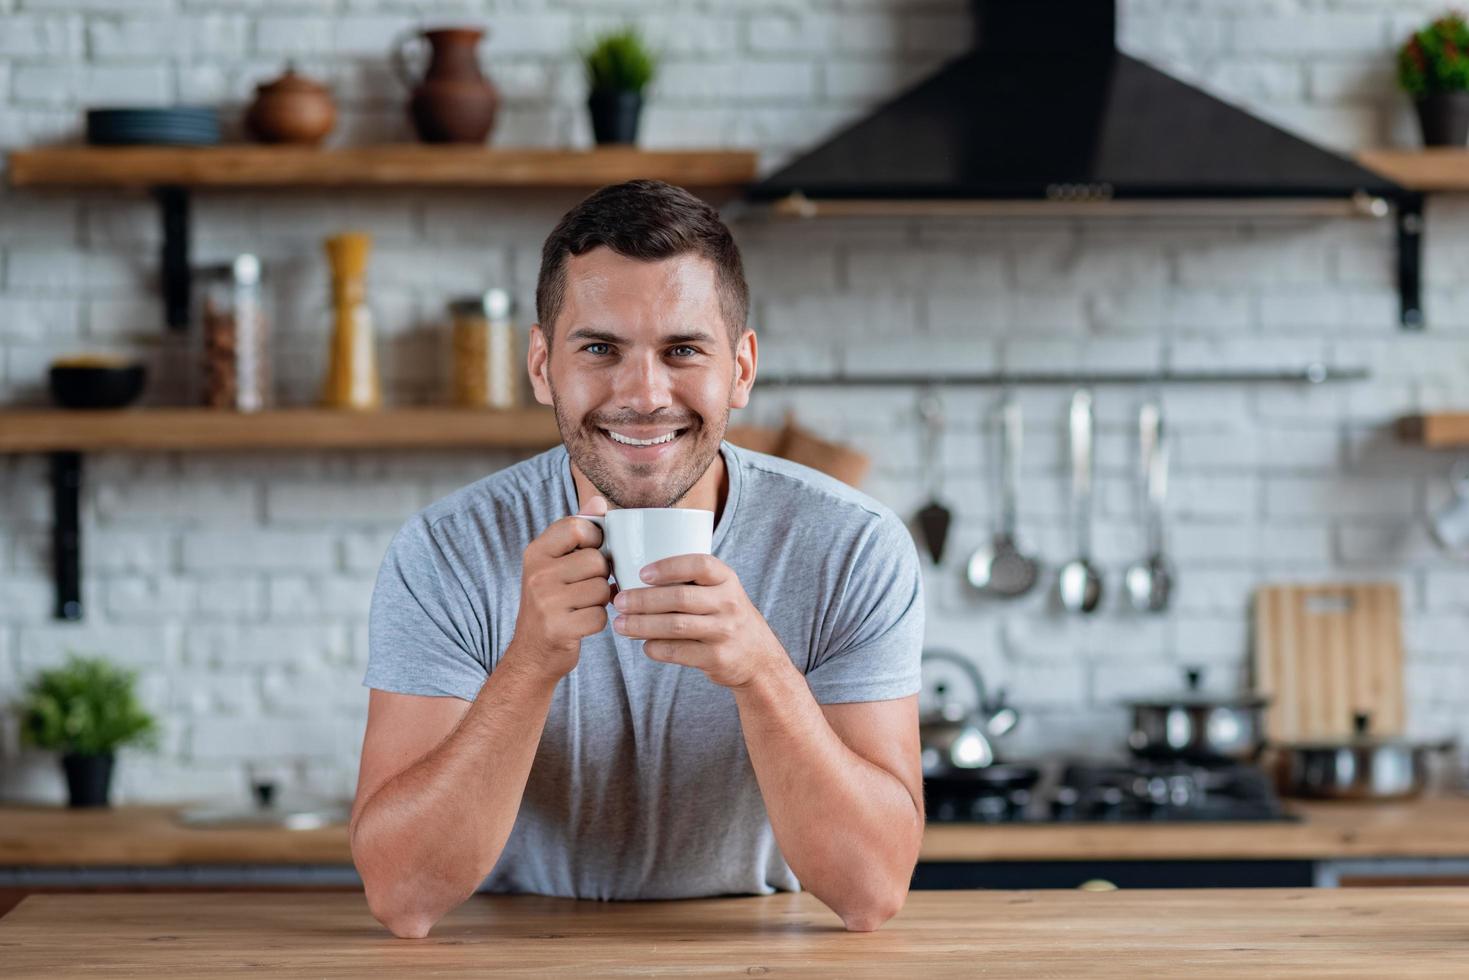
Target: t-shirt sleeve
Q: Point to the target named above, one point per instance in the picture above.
(876, 641)
(421, 634)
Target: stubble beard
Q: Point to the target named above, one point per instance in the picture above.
(639, 485)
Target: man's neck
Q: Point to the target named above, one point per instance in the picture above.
(708, 493)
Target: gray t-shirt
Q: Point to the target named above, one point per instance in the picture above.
(642, 787)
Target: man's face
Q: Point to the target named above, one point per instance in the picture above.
(641, 374)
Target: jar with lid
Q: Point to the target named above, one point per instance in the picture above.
(485, 363)
(232, 354)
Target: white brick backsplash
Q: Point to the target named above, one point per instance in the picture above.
(1318, 498)
(300, 597)
(205, 551)
(262, 644)
(166, 500)
(36, 321)
(1334, 33)
(143, 39)
(149, 599)
(230, 597)
(144, 648)
(1378, 543)
(46, 36)
(292, 35)
(314, 503)
(26, 600)
(273, 738)
(886, 269)
(62, 84)
(812, 33)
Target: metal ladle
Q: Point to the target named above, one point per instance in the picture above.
(1150, 580)
(1002, 570)
(1079, 584)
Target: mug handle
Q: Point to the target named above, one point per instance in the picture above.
(601, 522)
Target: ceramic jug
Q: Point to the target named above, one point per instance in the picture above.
(452, 102)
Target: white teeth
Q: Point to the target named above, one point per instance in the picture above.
(641, 442)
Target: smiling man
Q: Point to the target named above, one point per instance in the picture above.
(747, 722)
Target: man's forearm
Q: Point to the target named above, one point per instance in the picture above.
(426, 839)
(849, 829)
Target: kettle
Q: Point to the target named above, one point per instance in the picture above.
(953, 738)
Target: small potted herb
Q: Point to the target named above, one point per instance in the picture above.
(1433, 68)
(85, 710)
(619, 67)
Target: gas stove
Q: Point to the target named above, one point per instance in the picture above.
(1125, 791)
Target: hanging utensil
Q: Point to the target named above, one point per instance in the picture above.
(1079, 585)
(935, 518)
(1150, 581)
(1001, 569)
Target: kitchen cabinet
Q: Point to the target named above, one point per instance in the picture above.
(1277, 932)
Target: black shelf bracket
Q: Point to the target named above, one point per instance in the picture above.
(173, 202)
(66, 532)
(1410, 260)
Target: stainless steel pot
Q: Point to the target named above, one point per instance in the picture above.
(1363, 767)
(1197, 727)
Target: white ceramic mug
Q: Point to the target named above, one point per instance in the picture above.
(636, 537)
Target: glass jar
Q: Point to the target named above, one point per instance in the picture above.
(233, 351)
(485, 362)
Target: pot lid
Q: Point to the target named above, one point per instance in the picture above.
(292, 84)
(1363, 738)
(1192, 696)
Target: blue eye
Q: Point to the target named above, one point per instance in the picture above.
(692, 351)
(589, 350)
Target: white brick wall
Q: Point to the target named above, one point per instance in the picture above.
(240, 583)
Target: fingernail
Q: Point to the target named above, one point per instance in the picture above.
(647, 574)
(617, 600)
(619, 623)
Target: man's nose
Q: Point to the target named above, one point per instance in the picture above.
(644, 384)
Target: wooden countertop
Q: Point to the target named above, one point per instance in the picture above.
(36, 836)
(1418, 932)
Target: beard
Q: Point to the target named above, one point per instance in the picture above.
(628, 485)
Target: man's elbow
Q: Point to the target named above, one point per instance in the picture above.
(400, 918)
(869, 915)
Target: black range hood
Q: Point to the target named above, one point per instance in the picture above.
(1046, 108)
(1045, 111)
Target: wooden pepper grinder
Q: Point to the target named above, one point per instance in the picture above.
(352, 377)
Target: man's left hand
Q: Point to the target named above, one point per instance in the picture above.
(694, 612)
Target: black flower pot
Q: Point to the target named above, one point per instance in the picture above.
(88, 778)
(615, 116)
(1445, 118)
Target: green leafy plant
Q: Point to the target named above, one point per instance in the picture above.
(87, 707)
(619, 62)
(1436, 59)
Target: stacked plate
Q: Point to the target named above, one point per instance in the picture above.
(177, 126)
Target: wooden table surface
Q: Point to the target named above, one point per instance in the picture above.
(1419, 932)
(46, 836)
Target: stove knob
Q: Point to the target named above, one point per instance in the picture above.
(1063, 804)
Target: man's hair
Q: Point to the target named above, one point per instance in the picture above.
(647, 220)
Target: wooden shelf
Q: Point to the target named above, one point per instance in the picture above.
(27, 431)
(1440, 169)
(1439, 430)
(405, 165)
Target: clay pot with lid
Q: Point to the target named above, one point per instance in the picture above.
(452, 101)
(291, 109)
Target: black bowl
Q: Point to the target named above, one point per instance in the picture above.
(97, 386)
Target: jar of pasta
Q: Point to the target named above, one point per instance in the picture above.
(485, 365)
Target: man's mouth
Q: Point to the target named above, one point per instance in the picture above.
(628, 439)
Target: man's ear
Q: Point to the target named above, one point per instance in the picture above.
(746, 355)
(538, 364)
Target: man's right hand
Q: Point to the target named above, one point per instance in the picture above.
(563, 594)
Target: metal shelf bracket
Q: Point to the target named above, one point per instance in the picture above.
(1410, 260)
(66, 533)
(173, 203)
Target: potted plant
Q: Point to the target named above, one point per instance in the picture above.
(85, 710)
(619, 67)
(1433, 67)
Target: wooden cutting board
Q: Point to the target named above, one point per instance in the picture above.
(1327, 651)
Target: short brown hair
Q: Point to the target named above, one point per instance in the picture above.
(647, 220)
